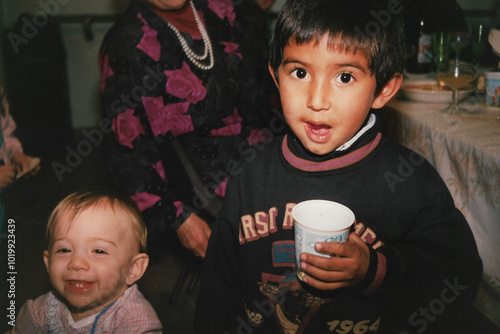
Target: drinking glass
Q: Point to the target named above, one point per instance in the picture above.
(456, 75)
(458, 42)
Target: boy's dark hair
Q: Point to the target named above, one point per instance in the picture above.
(373, 27)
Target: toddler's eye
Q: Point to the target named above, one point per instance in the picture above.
(345, 78)
(63, 250)
(99, 251)
(300, 73)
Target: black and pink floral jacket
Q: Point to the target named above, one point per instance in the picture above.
(153, 94)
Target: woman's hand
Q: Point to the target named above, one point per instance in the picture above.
(194, 234)
(21, 163)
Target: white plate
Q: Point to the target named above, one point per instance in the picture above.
(428, 91)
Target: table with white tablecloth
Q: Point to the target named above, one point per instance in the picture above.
(465, 150)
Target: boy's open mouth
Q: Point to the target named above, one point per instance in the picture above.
(79, 286)
(318, 132)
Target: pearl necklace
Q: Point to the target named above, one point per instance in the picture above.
(195, 58)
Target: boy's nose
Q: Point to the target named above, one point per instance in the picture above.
(319, 96)
(78, 262)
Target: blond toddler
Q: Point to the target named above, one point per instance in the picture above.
(95, 255)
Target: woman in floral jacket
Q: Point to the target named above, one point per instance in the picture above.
(190, 76)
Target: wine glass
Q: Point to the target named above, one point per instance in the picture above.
(458, 42)
(456, 75)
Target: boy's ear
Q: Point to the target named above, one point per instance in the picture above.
(139, 264)
(387, 92)
(273, 74)
(46, 259)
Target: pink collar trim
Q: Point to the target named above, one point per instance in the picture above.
(334, 163)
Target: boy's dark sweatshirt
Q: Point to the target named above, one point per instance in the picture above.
(424, 264)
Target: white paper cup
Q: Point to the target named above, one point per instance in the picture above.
(492, 86)
(316, 221)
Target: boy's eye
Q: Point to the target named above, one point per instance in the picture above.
(99, 251)
(63, 250)
(345, 78)
(300, 73)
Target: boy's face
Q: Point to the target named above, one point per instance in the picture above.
(89, 264)
(325, 94)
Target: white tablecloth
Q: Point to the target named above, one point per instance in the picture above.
(465, 150)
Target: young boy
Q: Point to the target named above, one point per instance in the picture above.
(411, 260)
(96, 253)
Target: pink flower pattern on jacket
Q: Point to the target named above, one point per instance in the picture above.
(221, 189)
(257, 135)
(164, 118)
(232, 48)
(160, 170)
(179, 207)
(149, 42)
(106, 71)
(127, 127)
(185, 85)
(145, 200)
(233, 126)
(223, 9)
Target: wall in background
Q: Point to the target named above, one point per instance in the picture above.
(482, 12)
(81, 52)
(12, 8)
(475, 4)
(83, 73)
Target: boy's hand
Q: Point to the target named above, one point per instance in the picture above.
(347, 266)
(194, 234)
(7, 175)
